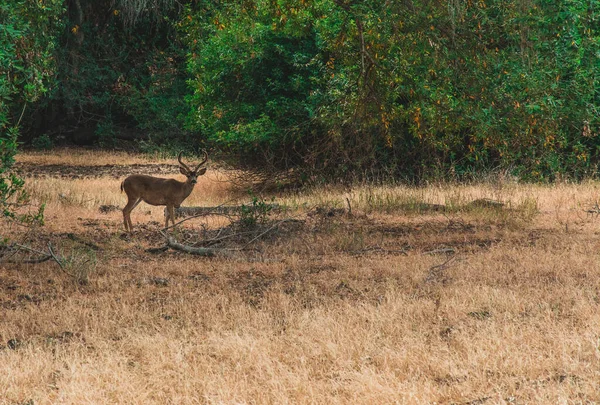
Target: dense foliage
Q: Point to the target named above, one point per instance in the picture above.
(121, 72)
(407, 88)
(331, 88)
(27, 67)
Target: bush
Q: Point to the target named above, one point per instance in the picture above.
(42, 142)
(256, 213)
(373, 89)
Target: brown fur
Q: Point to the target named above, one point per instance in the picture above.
(158, 191)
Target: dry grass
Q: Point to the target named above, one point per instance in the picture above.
(87, 157)
(334, 313)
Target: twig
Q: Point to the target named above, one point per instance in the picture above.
(437, 251)
(183, 220)
(32, 261)
(442, 266)
(57, 259)
(28, 261)
(45, 256)
(158, 249)
(202, 214)
(595, 210)
(218, 239)
(76, 238)
(380, 249)
(21, 117)
(268, 230)
(436, 271)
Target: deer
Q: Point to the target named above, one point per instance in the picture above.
(159, 191)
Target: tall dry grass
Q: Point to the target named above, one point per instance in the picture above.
(88, 157)
(335, 315)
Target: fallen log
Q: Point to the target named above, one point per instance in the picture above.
(200, 251)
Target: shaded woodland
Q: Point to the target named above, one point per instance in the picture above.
(316, 89)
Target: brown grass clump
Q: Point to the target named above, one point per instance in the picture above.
(419, 296)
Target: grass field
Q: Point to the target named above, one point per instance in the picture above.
(416, 296)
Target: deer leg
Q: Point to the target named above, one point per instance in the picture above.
(136, 203)
(172, 215)
(129, 216)
(131, 204)
(167, 215)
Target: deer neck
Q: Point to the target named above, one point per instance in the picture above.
(187, 188)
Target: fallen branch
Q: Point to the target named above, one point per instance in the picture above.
(200, 251)
(15, 247)
(436, 272)
(57, 260)
(158, 249)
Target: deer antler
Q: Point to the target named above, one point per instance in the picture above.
(181, 163)
(203, 161)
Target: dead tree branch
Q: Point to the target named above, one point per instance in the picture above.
(57, 259)
(64, 265)
(200, 251)
(15, 248)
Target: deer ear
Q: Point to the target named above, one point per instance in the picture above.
(183, 171)
(201, 171)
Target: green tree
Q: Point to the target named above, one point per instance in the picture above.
(121, 69)
(253, 82)
(417, 89)
(27, 68)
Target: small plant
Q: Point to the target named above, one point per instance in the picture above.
(257, 212)
(79, 264)
(42, 142)
(13, 198)
(33, 218)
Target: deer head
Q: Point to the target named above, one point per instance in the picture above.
(192, 175)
